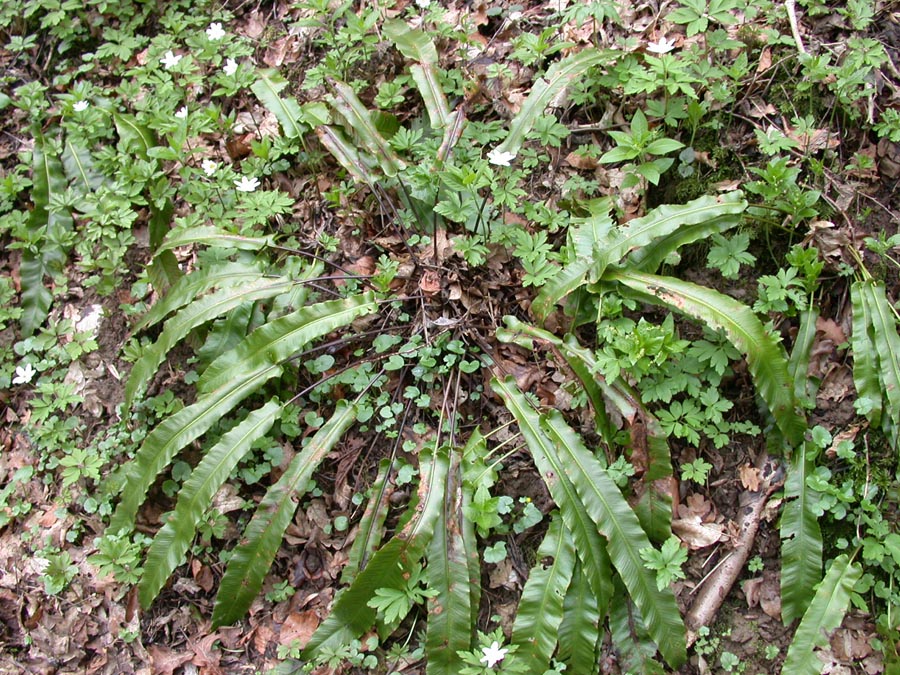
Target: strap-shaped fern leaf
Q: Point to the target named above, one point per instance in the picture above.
(238, 373)
(798, 365)
(189, 287)
(825, 613)
(801, 547)
(371, 525)
(48, 182)
(351, 615)
(252, 559)
(648, 258)
(190, 317)
(418, 46)
(477, 445)
(593, 231)
(658, 224)
(589, 544)
(540, 610)
(267, 87)
(765, 357)
(210, 235)
(636, 650)
(173, 540)
(625, 538)
(886, 346)
(865, 358)
(579, 629)
(79, 166)
(559, 76)
(278, 340)
(357, 118)
(346, 154)
(449, 627)
(655, 507)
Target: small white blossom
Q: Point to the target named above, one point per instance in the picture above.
(209, 167)
(80, 106)
(215, 31)
(230, 67)
(493, 654)
(499, 158)
(246, 184)
(181, 113)
(170, 59)
(24, 374)
(423, 4)
(662, 47)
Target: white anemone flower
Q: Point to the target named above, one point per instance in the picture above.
(498, 158)
(664, 46)
(246, 184)
(493, 654)
(80, 106)
(182, 113)
(24, 374)
(209, 167)
(215, 31)
(230, 67)
(170, 59)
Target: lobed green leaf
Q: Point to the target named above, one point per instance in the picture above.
(765, 357)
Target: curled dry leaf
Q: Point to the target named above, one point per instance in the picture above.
(697, 534)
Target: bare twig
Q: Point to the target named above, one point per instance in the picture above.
(718, 583)
(791, 7)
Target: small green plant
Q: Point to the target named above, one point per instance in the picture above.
(731, 663)
(697, 471)
(666, 562)
(643, 148)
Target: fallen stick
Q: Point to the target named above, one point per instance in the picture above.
(718, 583)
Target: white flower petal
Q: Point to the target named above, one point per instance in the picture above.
(170, 59)
(499, 158)
(662, 47)
(182, 113)
(215, 31)
(24, 374)
(230, 67)
(80, 106)
(209, 167)
(493, 654)
(246, 184)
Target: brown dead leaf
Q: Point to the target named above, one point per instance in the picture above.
(814, 140)
(749, 477)
(830, 330)
(254, 26)
(299, 626)
(164, 661)
(765, 60)
(580, 161)
(751, 589)
(202, 575)
(697, 534)
(430, 283)
(756, 107)
(283, 50)
(502, 575)
(206, 656)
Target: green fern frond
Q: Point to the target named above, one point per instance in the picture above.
(801, 546)
(230, 379)
(173, 540)
(252, 559)
(825, 614)
(540, 610)
(351, 614)
(765, 357)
